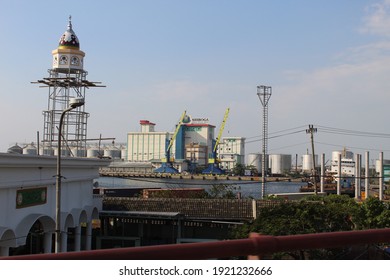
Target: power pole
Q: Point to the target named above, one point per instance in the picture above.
(313, 130)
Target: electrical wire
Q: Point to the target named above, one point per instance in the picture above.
(276, 136)
(341, 131)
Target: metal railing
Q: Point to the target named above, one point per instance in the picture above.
(253, 247)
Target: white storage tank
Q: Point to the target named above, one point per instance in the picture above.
(344, 155)
(307, 162)
(112, 152)
(78, 152)
(123, 152)
(64, 152)
(30, 149)
(280, 163)
(15, 149)
(93, 152)
(47, 151)
(255, 160)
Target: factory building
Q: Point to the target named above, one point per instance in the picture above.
(347, 164)
(197, 141)
(231, 150)
(193, 143)
(147, 144)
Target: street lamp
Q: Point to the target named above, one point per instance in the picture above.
(73, 103)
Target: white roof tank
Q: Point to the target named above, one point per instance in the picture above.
(15, 149)
(78, 152)
(93, 152)
(112, 152)
(30, 149)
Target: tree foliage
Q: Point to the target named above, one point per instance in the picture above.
(316, 214)
(221, 191)
(239, 169)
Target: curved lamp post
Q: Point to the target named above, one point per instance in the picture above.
(73, 103)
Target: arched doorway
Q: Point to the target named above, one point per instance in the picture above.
(34, 241)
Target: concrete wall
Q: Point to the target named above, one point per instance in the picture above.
(28, 194)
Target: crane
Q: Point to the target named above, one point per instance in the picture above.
(213, 163)
(166, 166)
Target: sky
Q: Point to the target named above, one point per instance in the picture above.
(327, 61)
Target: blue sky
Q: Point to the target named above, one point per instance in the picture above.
(328, 63)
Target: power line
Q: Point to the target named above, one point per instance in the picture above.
(276, 136)
(352, 147)
(276, 132)
(342, 131)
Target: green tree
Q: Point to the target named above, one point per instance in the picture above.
(311, 215)
(375, 213)
(239, 169)
(221, 191)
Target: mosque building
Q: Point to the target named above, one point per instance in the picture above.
(29, 222)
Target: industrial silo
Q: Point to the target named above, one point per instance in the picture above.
(78, 152)
(280, 164)
(64, 152)
(255, 161)
(112, 152)
(15, 149)
(93, 151)
(307, 162)
(47, 151)
(344, 155)
(30, 149)
(123, 152)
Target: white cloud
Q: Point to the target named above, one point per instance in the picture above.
(377, 21)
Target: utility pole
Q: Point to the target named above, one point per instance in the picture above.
(313, 130)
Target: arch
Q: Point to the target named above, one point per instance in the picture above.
(23, 228)
(76, 212)
(92, 212)
(83, 218)
(69, 221)
(7, 237)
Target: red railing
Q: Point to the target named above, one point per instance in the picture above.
(253, 247)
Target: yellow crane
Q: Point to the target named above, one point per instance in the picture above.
(213, 167)
(166, 166)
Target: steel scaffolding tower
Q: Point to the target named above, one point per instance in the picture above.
(64, 85)
(264, 94)
(67, 79)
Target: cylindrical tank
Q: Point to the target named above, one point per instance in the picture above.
(123, 152)
(280, 164)
(78, 152)
(386, 164)
(93, 152)
(112, 152)
(307, 162)
(344, 155)
(47, 151)
(15, 149)
(64, 152)
(255, 160)
(30, 149)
